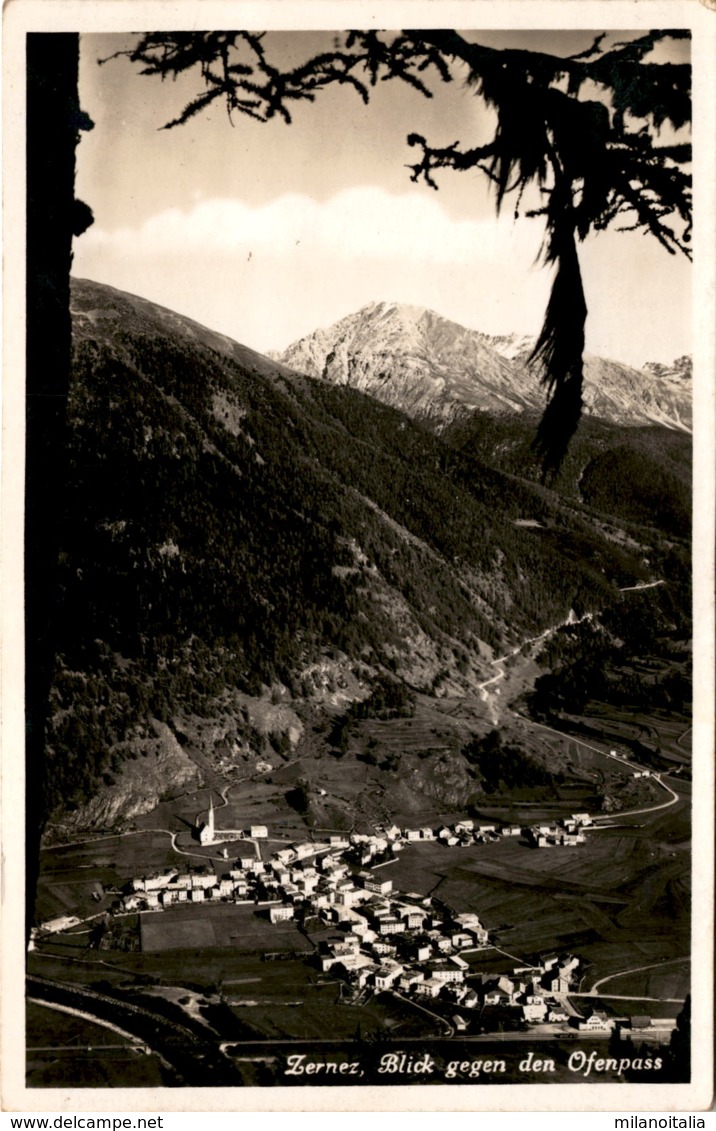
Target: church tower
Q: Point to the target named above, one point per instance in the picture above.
(206, 832)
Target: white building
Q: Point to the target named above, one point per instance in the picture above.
(281, 913)
(207, 834)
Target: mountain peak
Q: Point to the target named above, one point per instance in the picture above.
(435, 369)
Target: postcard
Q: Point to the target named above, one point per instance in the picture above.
(358, 527)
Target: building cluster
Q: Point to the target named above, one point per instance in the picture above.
(207, 833)
(325, 879)
(427, 964)
(467, 832)
(384, 939)
(568, 831)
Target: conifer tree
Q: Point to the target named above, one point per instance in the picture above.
(583, 131)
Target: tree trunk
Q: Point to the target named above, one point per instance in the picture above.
(53, 120)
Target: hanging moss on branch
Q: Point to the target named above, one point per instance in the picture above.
(582, 131)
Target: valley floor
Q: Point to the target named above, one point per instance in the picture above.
(619, 902)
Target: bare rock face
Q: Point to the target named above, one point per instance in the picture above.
(444, 779)
(414, 360)
(159, 769)
(434, 369)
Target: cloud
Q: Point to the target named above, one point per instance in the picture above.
(268, 275)
(363, 222)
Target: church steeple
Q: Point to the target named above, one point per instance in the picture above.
(206, 831)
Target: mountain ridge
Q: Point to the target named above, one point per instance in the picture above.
(437, 370)
(246, 549)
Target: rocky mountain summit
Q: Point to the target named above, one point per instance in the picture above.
(436, 370)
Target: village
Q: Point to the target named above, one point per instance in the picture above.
(409, 943)
(368, 937)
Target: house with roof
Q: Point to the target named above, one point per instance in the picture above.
(430, 987)
(557, 983)
(391, 925)
(445, 972)
(442, 944)
(410, 978)
(419, 951)
(365, 974)
(281, 912)
(462, 940)
(596, 1022)
(346, 895)
(413, 917)
(387, 975)
(375, 884)
(381, 948)
(498, 991)
(534, 1011)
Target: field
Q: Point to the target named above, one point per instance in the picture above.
(669, 981)
(322, 1012)
(65, 1051)
(619, 901)
(669, 736)
(224, 925)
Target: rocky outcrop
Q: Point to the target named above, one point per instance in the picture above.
(437, 370)
(158, 768)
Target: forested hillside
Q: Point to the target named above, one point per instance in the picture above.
(229, 523)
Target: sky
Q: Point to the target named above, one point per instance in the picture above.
(267, 231)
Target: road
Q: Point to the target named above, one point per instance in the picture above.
(571, 620)
(673, 796)
(634, 970)
(641, 585)
(100, 1021)
(449, 1031)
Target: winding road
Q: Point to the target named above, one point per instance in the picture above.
(673, 796)
(634, 970)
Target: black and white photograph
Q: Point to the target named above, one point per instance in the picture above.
(366, 597)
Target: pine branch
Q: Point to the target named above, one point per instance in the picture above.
(593, 157)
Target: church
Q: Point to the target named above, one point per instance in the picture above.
(206, 830)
